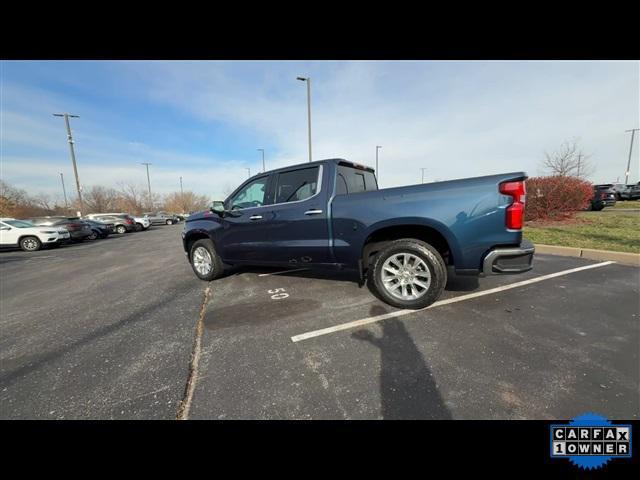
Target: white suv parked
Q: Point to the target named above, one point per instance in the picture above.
(18, 233)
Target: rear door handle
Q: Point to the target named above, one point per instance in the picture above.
(313, 212)
(255, 217)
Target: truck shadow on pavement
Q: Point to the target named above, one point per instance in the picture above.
(407, 387)
(454, 283)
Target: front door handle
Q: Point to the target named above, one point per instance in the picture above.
(313, 212)
(255, 217)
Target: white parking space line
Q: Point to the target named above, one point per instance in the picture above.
(284, 271)
(461, 298)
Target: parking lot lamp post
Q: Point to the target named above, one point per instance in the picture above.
(626, 174)
(182, 195)
(263, 167)
(378, 147)
(248, 172)
(64, 192)
(423, 169)
(66, 117)
(308, 80)
(148, 183)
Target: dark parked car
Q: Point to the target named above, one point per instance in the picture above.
(330, 214)
(78, 229)
(99, 229)
(632, 192)
(618, 189)
(603, 196)
(122, 222)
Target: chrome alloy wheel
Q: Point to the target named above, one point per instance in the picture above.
(30, 244)
(202, 261)
(406, 276)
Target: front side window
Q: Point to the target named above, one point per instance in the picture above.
(297, 185)
(251, 195)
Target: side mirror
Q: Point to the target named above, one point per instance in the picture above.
(217, 206)
(5, 228)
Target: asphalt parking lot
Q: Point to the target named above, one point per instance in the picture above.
(108, 331)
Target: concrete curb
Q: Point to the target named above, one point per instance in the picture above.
(591, 254)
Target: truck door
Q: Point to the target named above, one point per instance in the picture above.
(299, 230)
(244, 236)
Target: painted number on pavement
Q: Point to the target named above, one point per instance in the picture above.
(278, 294)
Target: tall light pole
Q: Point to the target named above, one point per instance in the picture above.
(626, 174)
(308, 80)
(64, 192)
(182, 195)
(263, 167)
(248, 172)
(148, 183)
(73, 153)
(378, 147)
(423, 169)
(579, 160)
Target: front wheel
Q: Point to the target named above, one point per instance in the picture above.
(408, 273)
(30, 244)
(169, 222)
(94, 235)
(121, 229)
(205, 261)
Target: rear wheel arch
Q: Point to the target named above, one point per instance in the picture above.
(381, 237)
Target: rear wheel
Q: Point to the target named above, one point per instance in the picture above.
(169, 222)
(408, 273)
(30, 244)
(121, 229)
(205, 261)
(94, 235)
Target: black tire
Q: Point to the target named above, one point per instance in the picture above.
(30, 244)
(169, 222)
(433, 261)
(139, 227)
(121, 229)
(94, 235)
(218, 267)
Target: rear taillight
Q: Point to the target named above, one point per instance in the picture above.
(603, 195)
(74, 225)
(129, 221)
(515, 212)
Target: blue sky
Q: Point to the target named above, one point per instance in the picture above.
(204, 120)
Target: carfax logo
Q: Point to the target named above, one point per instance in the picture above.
(590, 440)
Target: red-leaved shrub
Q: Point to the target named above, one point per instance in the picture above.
(556, 197)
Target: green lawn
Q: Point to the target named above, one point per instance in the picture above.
(598, 230)
(627, 204)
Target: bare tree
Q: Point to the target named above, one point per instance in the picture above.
(568, 161)
(189, 202)
(130, 198)
(101, 199)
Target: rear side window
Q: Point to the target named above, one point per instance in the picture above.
(296, 185)
(353, 180)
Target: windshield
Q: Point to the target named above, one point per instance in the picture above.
(19, 224)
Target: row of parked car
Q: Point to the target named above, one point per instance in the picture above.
(606, 194)
(31, 234)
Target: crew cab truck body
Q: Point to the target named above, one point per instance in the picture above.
(330, 213)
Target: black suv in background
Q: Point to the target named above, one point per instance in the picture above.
(632, 192)
(78, 229)
(603, 196)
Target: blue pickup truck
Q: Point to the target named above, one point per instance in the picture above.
(331, 214)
